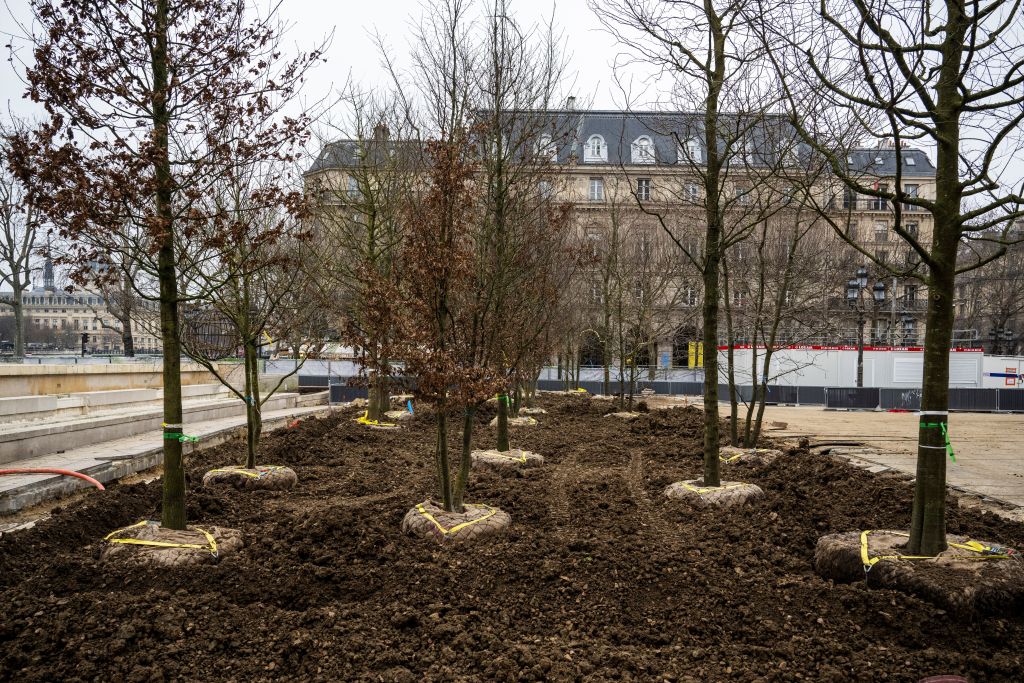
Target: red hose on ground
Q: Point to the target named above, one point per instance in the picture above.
(50, 470)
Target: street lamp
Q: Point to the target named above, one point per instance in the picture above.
(854, 289)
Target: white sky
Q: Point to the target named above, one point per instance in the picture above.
(352, 50)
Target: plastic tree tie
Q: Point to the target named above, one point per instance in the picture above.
(945, 436)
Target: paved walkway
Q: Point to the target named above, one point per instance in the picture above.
(114, 459)
(989, 447)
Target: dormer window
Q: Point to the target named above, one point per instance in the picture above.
(910, 161)
(595, 149)
(690, 151)
(643, 150)
(546, 148)
(879, 161)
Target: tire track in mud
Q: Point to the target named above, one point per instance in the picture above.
(634, 475)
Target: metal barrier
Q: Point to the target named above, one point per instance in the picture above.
(852, 398)
(977, 400)
(900, 399)
(343, 393)
(314, 381)
(810, 396)
(1011, 400)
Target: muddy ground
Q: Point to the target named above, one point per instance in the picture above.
(599, 578)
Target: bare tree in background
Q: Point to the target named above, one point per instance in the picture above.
(19, 228)
(358, 187)
(947, 74)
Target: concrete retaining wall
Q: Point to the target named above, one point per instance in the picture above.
(40, 380)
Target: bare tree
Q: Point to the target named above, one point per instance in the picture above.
(19, 229)
(714, 64)
(946, 74)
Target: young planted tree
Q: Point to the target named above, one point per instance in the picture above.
(250, 286)
(138, 97)
(519, 70)
(19, 228)
(944, 74)
(359, 185)
(711, 53)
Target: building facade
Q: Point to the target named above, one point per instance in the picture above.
(635, 185)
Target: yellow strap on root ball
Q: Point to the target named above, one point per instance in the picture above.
(212, 547)
(730, 458)
(365, 419)
(700, 491)
(262, 471)
(445, 532)
(986, 552)
(521, 458)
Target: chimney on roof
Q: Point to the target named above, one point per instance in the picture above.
(570, 103)
(381, 132)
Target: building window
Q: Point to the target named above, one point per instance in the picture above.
(879, 203)
(689, 296)
(546, 148)
(690, 152)
(546, 189)
(743, 195)
(911, 191)
(643, 150)
(353, 186)
(881, 231)
(595, 149)
(739, 297)
(596, 190)
(911, 292)
(643, 189)
(912, 229)
(692, 193)
(909, 161)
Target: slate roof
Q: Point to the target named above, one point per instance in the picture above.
(570, 129)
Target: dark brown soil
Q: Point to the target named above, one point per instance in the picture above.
(600, 577)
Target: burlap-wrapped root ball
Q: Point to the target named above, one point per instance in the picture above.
(532, 411)
(148, 543)
(753, 456)
(398, 415)
(511, 460)
(729, 494)
(522, 421)
(476, 522)
(261, 477)
(969, 576)
(624, 415)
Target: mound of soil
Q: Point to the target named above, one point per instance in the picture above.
(600, 577)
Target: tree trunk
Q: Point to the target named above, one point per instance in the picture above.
(730, 340)
(928, 520)
(127, 338)
(19, 323)
(462, 480)
(377, 402)
(441, 460)
(503, 422)
(173, 509)
(517, 400)
(253, 417)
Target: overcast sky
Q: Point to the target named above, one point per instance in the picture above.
(352, 50)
